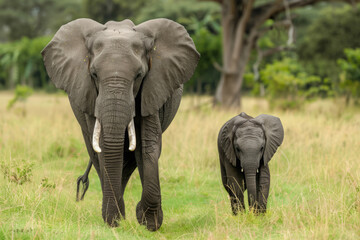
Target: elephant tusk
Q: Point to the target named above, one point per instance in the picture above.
(96, 136)
(132, 135)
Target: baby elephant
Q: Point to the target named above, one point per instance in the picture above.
(246, 145)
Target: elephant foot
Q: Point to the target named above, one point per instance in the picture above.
(111, 220)
(261, 210)
(84, 181)
(111, 214)
(236, 206)
(152, 219)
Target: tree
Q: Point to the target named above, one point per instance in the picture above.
(243, 24)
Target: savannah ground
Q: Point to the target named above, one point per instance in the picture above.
(315, 176)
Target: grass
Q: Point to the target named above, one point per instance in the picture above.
(315, 176)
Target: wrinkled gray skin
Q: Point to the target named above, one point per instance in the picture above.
(246, 145)
(117, 72)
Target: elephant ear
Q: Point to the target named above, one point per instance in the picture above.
(173, 59)
(226, 137)
(274, 133)
(244, 115)
(66, 60)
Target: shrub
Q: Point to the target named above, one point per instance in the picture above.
(286, 80)
(19, 173)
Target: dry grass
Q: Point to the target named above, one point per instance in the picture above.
(315, 185)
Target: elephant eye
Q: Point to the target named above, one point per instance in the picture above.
(237, 149)
(138, 76)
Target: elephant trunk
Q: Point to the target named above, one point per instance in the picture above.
(114, 121)
(250, 178)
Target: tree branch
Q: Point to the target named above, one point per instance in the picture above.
(222, 70)
(240, 31)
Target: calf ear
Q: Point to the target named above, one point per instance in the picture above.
(226, 139)
(274, 133)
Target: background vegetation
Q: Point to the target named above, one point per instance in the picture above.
(323, 31)
(314, 194)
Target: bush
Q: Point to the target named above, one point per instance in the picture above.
(286, 80)
(19, 173)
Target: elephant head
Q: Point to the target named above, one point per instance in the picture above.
(103, 68)
(248, 142)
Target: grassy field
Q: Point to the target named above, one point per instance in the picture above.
(315, 184)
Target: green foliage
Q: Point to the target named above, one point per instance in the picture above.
(287, 80)
(208, 44)
(250, 85)
(350, 75)
(19, 173)
(335, 28)
(21, 95)
(21, 63)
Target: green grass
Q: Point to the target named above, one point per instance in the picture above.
(315, 176)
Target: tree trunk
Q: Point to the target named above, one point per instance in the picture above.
(236, 52)
(228, 92)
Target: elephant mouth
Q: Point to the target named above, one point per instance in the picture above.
(97, 130)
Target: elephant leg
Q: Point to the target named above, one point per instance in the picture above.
(263, 188)
(128, 168)
(148, 210)
(233, 181)
(84, 180)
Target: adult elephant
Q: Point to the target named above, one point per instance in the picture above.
(120, 76)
